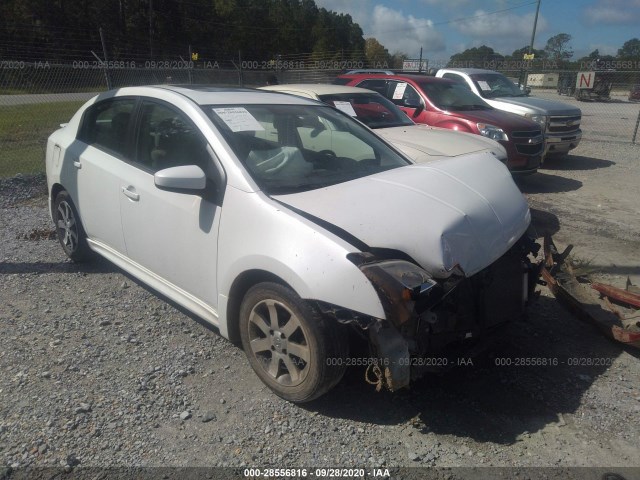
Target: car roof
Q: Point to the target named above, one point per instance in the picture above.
(370, 70)
(410, 77)
(317, 88)
(208, 95)
(472, 71)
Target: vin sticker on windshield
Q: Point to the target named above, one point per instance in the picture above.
(238, 119)
(346, 107)
(398, 93)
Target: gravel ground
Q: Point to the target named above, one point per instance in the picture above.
(96, 370)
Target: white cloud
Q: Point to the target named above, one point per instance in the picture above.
(613, 12)
(392, 28)
(504, 32)
(447, 3)
(407, 34)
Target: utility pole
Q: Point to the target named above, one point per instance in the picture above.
(106, 60)
(533, 37)
(150, 29)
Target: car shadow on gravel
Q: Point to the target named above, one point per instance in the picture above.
(501, 396)
(545, 223)
(575, 162)
(620, 270)
(546, 183)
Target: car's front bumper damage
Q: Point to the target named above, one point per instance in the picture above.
(428, 318)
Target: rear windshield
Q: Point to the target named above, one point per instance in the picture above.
(341, 81)
(372, 109)
(453, 97)
(491, 85)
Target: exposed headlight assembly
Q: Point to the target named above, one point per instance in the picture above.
(399, 284)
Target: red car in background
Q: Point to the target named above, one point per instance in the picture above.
(446, 104)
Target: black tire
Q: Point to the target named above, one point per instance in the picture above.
(296, 352)
(69, 229)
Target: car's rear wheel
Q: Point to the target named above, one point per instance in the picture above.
(69, 229)
(295, 351)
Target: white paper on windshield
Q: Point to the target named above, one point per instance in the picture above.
(398, 93)
(346, 107)
(484, 85)
(238, 119)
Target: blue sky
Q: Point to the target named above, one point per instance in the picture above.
(445, 27)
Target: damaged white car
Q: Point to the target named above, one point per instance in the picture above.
(234, 205)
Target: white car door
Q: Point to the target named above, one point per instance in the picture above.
(169, 234)
(92, 177)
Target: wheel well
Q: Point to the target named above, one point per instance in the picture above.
(55, 190)
(239, 288)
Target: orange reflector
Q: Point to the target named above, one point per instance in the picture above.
(407, 294)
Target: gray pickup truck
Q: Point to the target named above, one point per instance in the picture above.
(559, 121)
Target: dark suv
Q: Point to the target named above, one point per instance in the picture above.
(444, 103)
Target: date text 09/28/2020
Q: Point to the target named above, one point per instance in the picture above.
(264, 473)
(468, 361)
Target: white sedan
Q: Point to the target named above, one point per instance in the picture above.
(223, 200)
(421, 143)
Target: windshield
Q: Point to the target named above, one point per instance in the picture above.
(453, 97)
(295, 148)
(372, 109)
(491, 85)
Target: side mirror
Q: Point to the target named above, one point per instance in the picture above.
(411, 103)
(182, 179)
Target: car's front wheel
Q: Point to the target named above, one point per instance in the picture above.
(69, 229)
(295, 351)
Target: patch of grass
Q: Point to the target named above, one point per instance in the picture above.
(582, 267)
(44, 90)
(24, 130)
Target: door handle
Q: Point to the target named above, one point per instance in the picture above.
(77, 164)
(131, 194)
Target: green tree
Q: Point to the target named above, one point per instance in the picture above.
(397, 60)
(630, 49)
(475, 57)
(594, 60)
(375, 53)
(67, 30)
(558, 47)
(519, 53)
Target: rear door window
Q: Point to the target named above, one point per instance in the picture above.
(377, 85)
(107, 125)
(403, 94)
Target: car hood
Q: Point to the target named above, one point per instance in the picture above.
(464, 211)
(541, 106)
(509, 122)
(423, 143)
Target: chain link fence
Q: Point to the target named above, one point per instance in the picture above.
(35, 98)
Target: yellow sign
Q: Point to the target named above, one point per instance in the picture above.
(529, 56)
(194, 56)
